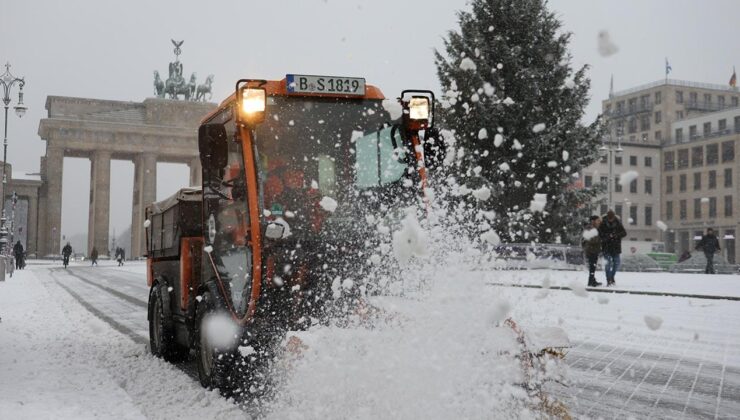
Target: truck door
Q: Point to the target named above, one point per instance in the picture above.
(226, 214)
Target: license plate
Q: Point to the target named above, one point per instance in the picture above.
(332, 85)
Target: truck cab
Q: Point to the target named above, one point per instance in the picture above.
(291, 168)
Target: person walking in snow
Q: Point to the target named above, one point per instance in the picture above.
(66, 253)
(611, 232)
(94, 256)
(592, 248)
(710, 245)
(18, 252)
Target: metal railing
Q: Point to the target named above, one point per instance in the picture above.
(630, 110)
(675, 82)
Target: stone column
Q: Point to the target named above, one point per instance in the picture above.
(196, 172)
(145, 193)
(99, 221)
(53, 181)
(32, 230)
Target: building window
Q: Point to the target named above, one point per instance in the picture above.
(728, 151)
(721, 102)
(648, 216)
(683, 158)
(645, 123)
(728, 177)
(658, 117)
(697, 181)
(697, 156)
(659, 98)
(632, 105)
(588, 180)
(712, 206)
(693, 98)
(728, 206)
(617, 160)
(632, 139)
(619, 130)
(679, 115)
(679, 135)
(712, 180)
(692, 132)
(682, 210)
(707, 98)
(735, 101)
(659, 135)
(669, 184)
(603, 180)
(679, 97)
(669, 210)
(603, 209)
(618, 210)
(633, 186)
(648, 161)
(644, 137)
(712, 154)
(707, 129)
(633, 215)
(737, 124)
(722, 125)
(620, 107)
(697, 208)
(633, 160)
(682, 183)
(617, 185)
(648, 186)
(632, 127)
(603, 159)
(669, 161)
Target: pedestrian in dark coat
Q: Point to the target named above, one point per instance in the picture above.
(94, 256)
(66, 253)
(592, 248)
(18, 252)
(611, 232)
(710, 245)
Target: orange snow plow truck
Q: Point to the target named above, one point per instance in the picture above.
(290, 168)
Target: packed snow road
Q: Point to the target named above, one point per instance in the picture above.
(73, 344)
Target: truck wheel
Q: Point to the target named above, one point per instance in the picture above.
(162, 340)
(214, 365)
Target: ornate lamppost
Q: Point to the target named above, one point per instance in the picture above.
(7, 80)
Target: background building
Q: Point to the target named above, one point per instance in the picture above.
(645, 121)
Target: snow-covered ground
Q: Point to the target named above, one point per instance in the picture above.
(73, 344)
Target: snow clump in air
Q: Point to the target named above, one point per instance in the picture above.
(488, 89)
(482, 193)
(498, 139)
(661, 225)
(410, 240)
(705, 199)
(653, 322)
(566, 155)
(220, 330)
(538, 202)
(606, 46)
(538, 127)
(393, 108)
(208, 249)
(329, 204)
(590, 233)
(508, 101)
(491, 237)
(467, 64)
(578, 289)
(627, 177)
(504, 167)
(147, 223)
(482, 134)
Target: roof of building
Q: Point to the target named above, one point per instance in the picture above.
(675, 82)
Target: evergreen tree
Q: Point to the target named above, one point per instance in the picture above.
(515, 107)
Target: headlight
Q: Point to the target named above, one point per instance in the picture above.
(419, 108)
(252, 104)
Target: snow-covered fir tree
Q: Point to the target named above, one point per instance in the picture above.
(515, 106)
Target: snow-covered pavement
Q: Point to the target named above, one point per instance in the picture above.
(73, 345)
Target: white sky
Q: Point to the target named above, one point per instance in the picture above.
(109, 49)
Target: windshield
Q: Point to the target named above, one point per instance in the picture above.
(317, 156)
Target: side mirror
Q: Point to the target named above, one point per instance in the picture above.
(214, 149)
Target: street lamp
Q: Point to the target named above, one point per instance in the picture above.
(7, 80)
(610, 152)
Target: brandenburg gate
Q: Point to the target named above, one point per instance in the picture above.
(155, 130)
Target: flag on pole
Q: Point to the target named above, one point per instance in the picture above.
(611, 87)
(668, 67)
(733, 79)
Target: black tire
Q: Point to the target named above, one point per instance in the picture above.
(214, 365)
(162, 341)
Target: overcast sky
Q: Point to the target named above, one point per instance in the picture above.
(109, 49)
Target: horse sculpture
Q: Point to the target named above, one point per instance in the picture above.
(158, 85)
(205, 88)
(174, 87)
